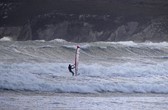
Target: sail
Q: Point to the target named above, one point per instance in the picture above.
(77, 60)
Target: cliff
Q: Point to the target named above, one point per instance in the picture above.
(85, 20)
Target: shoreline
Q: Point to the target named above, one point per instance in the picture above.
(105, 94)
(12, 100)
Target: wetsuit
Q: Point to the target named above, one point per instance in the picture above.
(70, 69)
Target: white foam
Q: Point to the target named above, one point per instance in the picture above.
(70, 46)
(58, 40)
(160, 44)
(127, 43)
(85, 46)
(132, 43)
(82, 46)
(54, 77)
(40, 40)
(6, 38)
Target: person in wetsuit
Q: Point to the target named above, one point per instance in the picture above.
(70, 67)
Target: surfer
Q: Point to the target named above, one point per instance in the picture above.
(70, 67)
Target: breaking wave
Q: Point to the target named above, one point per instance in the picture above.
(126, 67)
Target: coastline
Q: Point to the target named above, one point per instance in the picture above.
(12, 100)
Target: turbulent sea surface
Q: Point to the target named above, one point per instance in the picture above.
(113, 75)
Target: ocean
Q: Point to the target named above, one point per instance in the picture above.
(113, 75)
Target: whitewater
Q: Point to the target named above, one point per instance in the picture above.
(116, 68)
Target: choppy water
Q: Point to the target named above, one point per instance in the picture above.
(126, 67)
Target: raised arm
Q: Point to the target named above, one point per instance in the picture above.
(73, 66)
